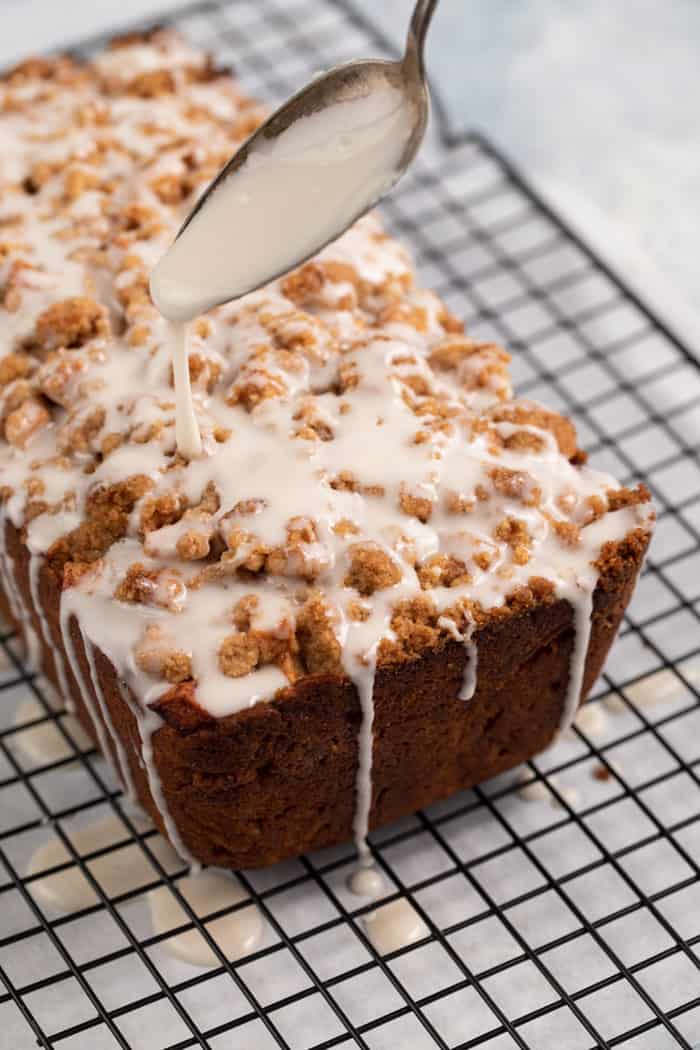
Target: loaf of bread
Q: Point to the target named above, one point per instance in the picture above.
(384, 580)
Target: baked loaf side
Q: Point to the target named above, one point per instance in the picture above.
(384, 579)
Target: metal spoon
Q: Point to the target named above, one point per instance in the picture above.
(340, 84)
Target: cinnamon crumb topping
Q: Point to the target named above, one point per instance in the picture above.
(239, 655)
(371, 569)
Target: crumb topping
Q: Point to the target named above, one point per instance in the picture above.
(367, 475)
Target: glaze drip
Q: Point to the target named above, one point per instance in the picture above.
(35, 562)
(148, 723)
(18, 607)
(187, 436)
(99, 724)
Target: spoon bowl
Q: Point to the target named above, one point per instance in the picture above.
(343, 83)
(385, 105)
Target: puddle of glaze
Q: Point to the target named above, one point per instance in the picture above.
(541, 790)
(120, 871)
(394, 925)
(366, 882)
(236, 934)
(45, 743)
(615, 704)
(657, 688)
(569, 796)
(592, 719)
(533, 790)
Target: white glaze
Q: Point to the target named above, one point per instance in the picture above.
(44, 743)
(366, 882)
(237, 934)
(352, 357)
(363, 680)
(118, 871)
(303, 187)
(16, 602)
(148, 722)
(568, 796)
(66, 616)
(533, 790)
(471, 667)
(471, 671)
(582, 605)
(615, 704)
(592, 720)
(122, 759)
(35, 562)
(34, 573)
(189, 441)
(661, 686)
(394, 926)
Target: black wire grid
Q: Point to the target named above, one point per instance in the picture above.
(570, 922)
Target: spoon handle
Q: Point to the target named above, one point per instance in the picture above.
(418, 31)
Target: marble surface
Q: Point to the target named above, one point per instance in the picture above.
(597, 102)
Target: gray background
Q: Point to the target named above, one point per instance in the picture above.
(596, 99)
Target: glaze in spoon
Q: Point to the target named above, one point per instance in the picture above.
(308, 173)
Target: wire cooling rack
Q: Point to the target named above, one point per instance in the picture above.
(568, 922)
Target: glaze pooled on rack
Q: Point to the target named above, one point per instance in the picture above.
(367, 490)
(394, 926)
(123, 868)
(120, 867)
(43, 742)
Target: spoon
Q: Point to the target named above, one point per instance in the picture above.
(304, 177)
